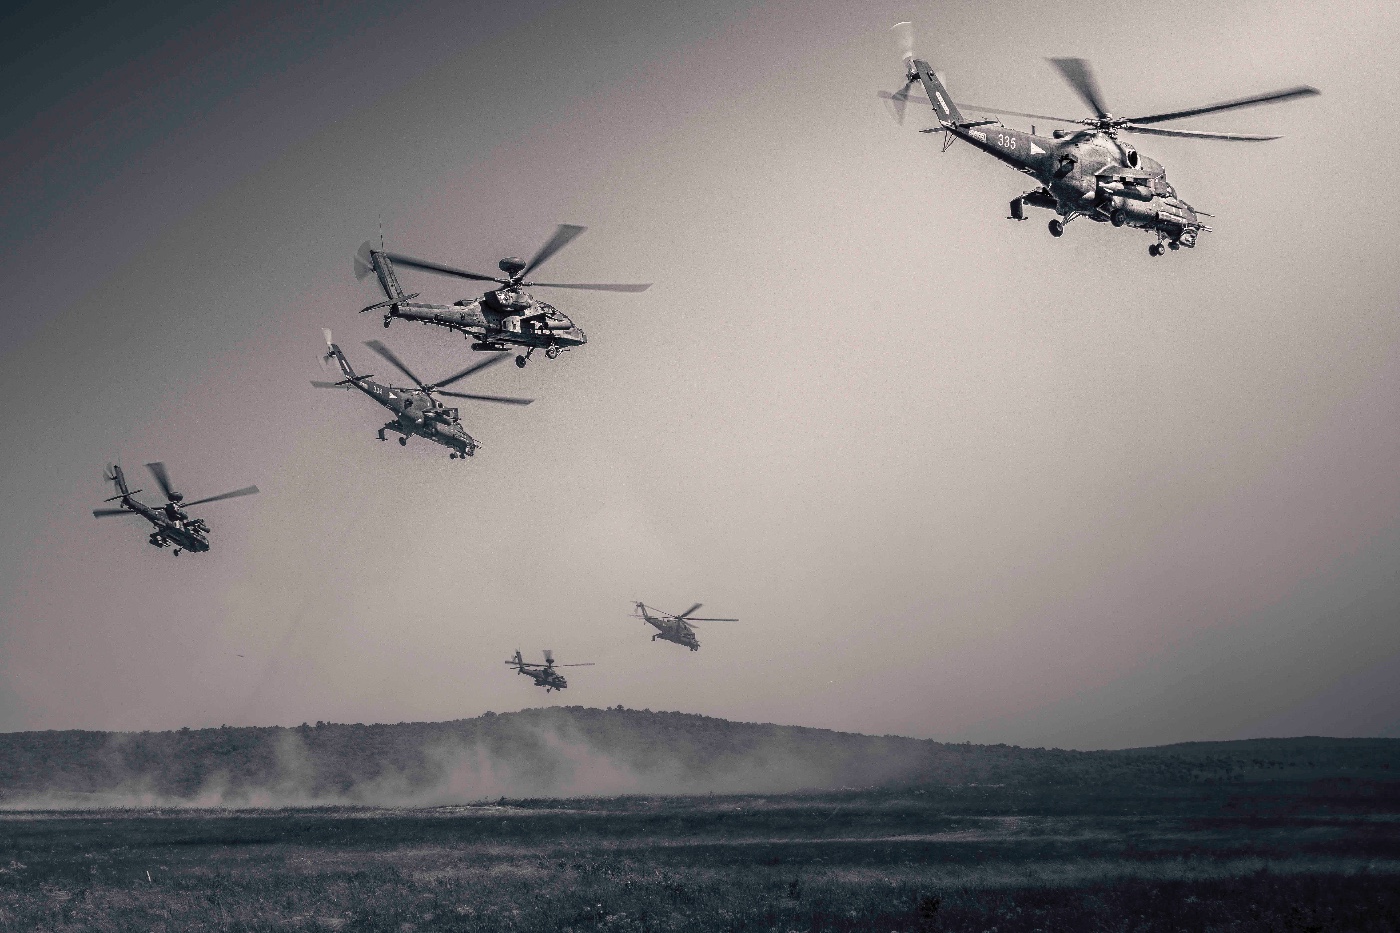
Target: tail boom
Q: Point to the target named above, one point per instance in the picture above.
(943, 106)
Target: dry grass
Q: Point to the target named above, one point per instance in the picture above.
(951, 860)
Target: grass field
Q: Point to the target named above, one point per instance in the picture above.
(1308, 856)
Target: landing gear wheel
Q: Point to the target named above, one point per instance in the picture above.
(1118, 218)
(552, 353)
(386, 322)
(451, 456)
(177, 552)
(1057, 228)
(520, 361)
(1155, 249)
(1173, 244)
(403, 442)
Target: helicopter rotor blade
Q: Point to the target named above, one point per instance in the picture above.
(589, 286)
(548, 655)
(1195, 134)
(441, 269)
(1255, 100)
(473, 368)
(163, 481)
(711, 620)
(904, 32)
(563, 235)
(362, 264)
(103, 513)
(1080, 76)
(694, 608)
(584, 664)
(504, 399)
(388, 354)
(899, 100)
(1016, 113)
(245, 491)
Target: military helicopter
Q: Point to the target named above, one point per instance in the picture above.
(501, 318)
(172, 525)
(1089, 172)
(544, 674)
(416, 411)
(675, 628)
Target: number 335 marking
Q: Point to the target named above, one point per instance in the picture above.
(1006, 142)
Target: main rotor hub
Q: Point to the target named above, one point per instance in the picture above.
(511, 265)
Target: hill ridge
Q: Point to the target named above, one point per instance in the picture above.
(577, 751)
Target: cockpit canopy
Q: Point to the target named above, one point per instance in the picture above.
(508, 301)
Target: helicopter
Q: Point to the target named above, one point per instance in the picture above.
(1088, 172)
(416, 411)
(172, 525)
(501, 318)
(675, 628)
(544, 674)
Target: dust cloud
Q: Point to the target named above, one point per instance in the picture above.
(535, 753)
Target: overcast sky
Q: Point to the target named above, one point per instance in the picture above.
(958, 479)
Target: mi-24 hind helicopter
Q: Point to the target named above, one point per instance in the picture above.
(545, 675)
(171, 524)
(1089, 172)
(675, 628)
(416, 411)
(501, 318)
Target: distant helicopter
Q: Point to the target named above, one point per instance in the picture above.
(171, 523)
(416, 411)
(544, 674)
(1084, 173)
(675, 628)
(505, 317)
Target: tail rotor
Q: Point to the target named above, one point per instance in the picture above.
(900, 98)
(363, 264)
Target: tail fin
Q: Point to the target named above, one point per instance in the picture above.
(388, 281)
(115, 476)
(938, 94)
(333, 353)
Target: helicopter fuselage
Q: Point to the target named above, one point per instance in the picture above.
(671, 629)
(1089, 173)
(179, 529)
(546, 677)
(497, 320)
(417, 413)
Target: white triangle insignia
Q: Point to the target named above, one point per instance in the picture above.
(1036, 150)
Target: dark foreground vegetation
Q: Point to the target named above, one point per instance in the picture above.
(1273, 856)
(889, 834)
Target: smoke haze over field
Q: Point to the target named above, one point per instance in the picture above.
(575, 752)
(537, 753)
(959, 480)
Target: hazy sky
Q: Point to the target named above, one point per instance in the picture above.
(959, 479)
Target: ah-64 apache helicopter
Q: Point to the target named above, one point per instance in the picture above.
(544, 674)
(675, 628)
(501, 318)
(171, 524)
(1088, 172)
(416, 411)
